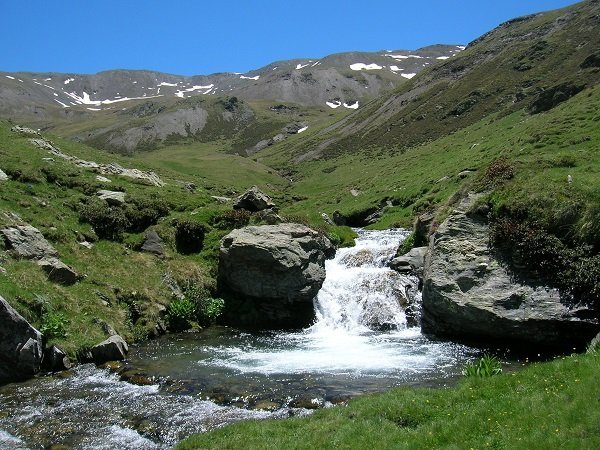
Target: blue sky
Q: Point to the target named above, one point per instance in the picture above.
(198, 37)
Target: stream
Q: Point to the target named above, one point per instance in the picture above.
(366, 338)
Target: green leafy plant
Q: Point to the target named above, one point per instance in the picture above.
(54, 325)
(407, 244)
(180, 313)
(210, 308)
(486, 366)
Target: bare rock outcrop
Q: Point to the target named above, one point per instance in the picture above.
(270, 274)
(468, 294)
(253, 200)
(21, 347)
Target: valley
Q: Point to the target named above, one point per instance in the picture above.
(482, 157)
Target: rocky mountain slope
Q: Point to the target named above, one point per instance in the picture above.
(531, 63)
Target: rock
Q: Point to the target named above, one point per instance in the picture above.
(465, 173)
(221, 199)
(253, 200)
(21, 347)
(373, 217)
(58, 271)
(153, 243)
(27, 242)
(55, 360)
(594, 345)
(24, 130)
(270, 216)
(354, 192)
(338, 218)
(113, 198)
(102, 179)
(270, 274)
(112, 349)
(3, 176)
(422, 228)
(468, 294)
(327, 219)
(411, 262)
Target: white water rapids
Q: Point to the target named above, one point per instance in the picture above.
(362, 341)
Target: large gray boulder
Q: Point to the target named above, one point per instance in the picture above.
(467, 293)
(112, 349)
(27, 242)
(270, 274)
(253, 200)
(21, 348)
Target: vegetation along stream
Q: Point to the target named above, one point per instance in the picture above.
(366, 338)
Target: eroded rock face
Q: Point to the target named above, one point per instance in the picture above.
(112, 349)
(21, 348)
(468, 294)
(270, 274)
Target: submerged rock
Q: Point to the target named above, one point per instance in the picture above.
(112, 349)
(21, 348)
(270, 274)
(467, 293)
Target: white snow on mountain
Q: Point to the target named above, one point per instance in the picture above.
(301, 66)
(302, 129)
(395, 69)
(8, 76)
(442, 57)
(408, 75)
(334, 105)
(164, 83)
(68, 80)
(250, 78)
(361, 66)
(351, 105)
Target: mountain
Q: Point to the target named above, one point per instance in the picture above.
(532, 62)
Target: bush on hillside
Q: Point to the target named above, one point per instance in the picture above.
(144, 211)
(109, 222)
(189, 236)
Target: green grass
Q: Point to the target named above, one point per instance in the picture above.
(546, 405)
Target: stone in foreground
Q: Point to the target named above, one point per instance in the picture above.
(270, 274)
(112, 349)
(468, 294)
(21, 348)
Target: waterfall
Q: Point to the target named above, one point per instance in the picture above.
(361, 294)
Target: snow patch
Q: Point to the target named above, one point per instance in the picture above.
(63, 105)
(395, 69)
(460, 47)
(408, 75)
(442, 57)
(301, 66)
(361, 66)
(316, 64)
(85, 99)
(334, 105)
(95, 109)
(47, 79)
(164, 83)
(351, 105)
(415, 56)
(68, 80)
(302, 129)
(180, 93)
(8, 76)
(397, 56)
(242, 77)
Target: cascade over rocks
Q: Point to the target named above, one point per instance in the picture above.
(468, 294)
(270, 274)
(21, 348)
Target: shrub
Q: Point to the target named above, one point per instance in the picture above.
(189, 236)
(407, 244)
(334, 238)
(109, 222)
(145, 211)
(497, 173)
(206, 308)
(487, 366)
(236, 218)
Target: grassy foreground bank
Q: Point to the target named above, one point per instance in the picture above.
(545, 406)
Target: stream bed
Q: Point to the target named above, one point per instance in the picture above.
(366, 338)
